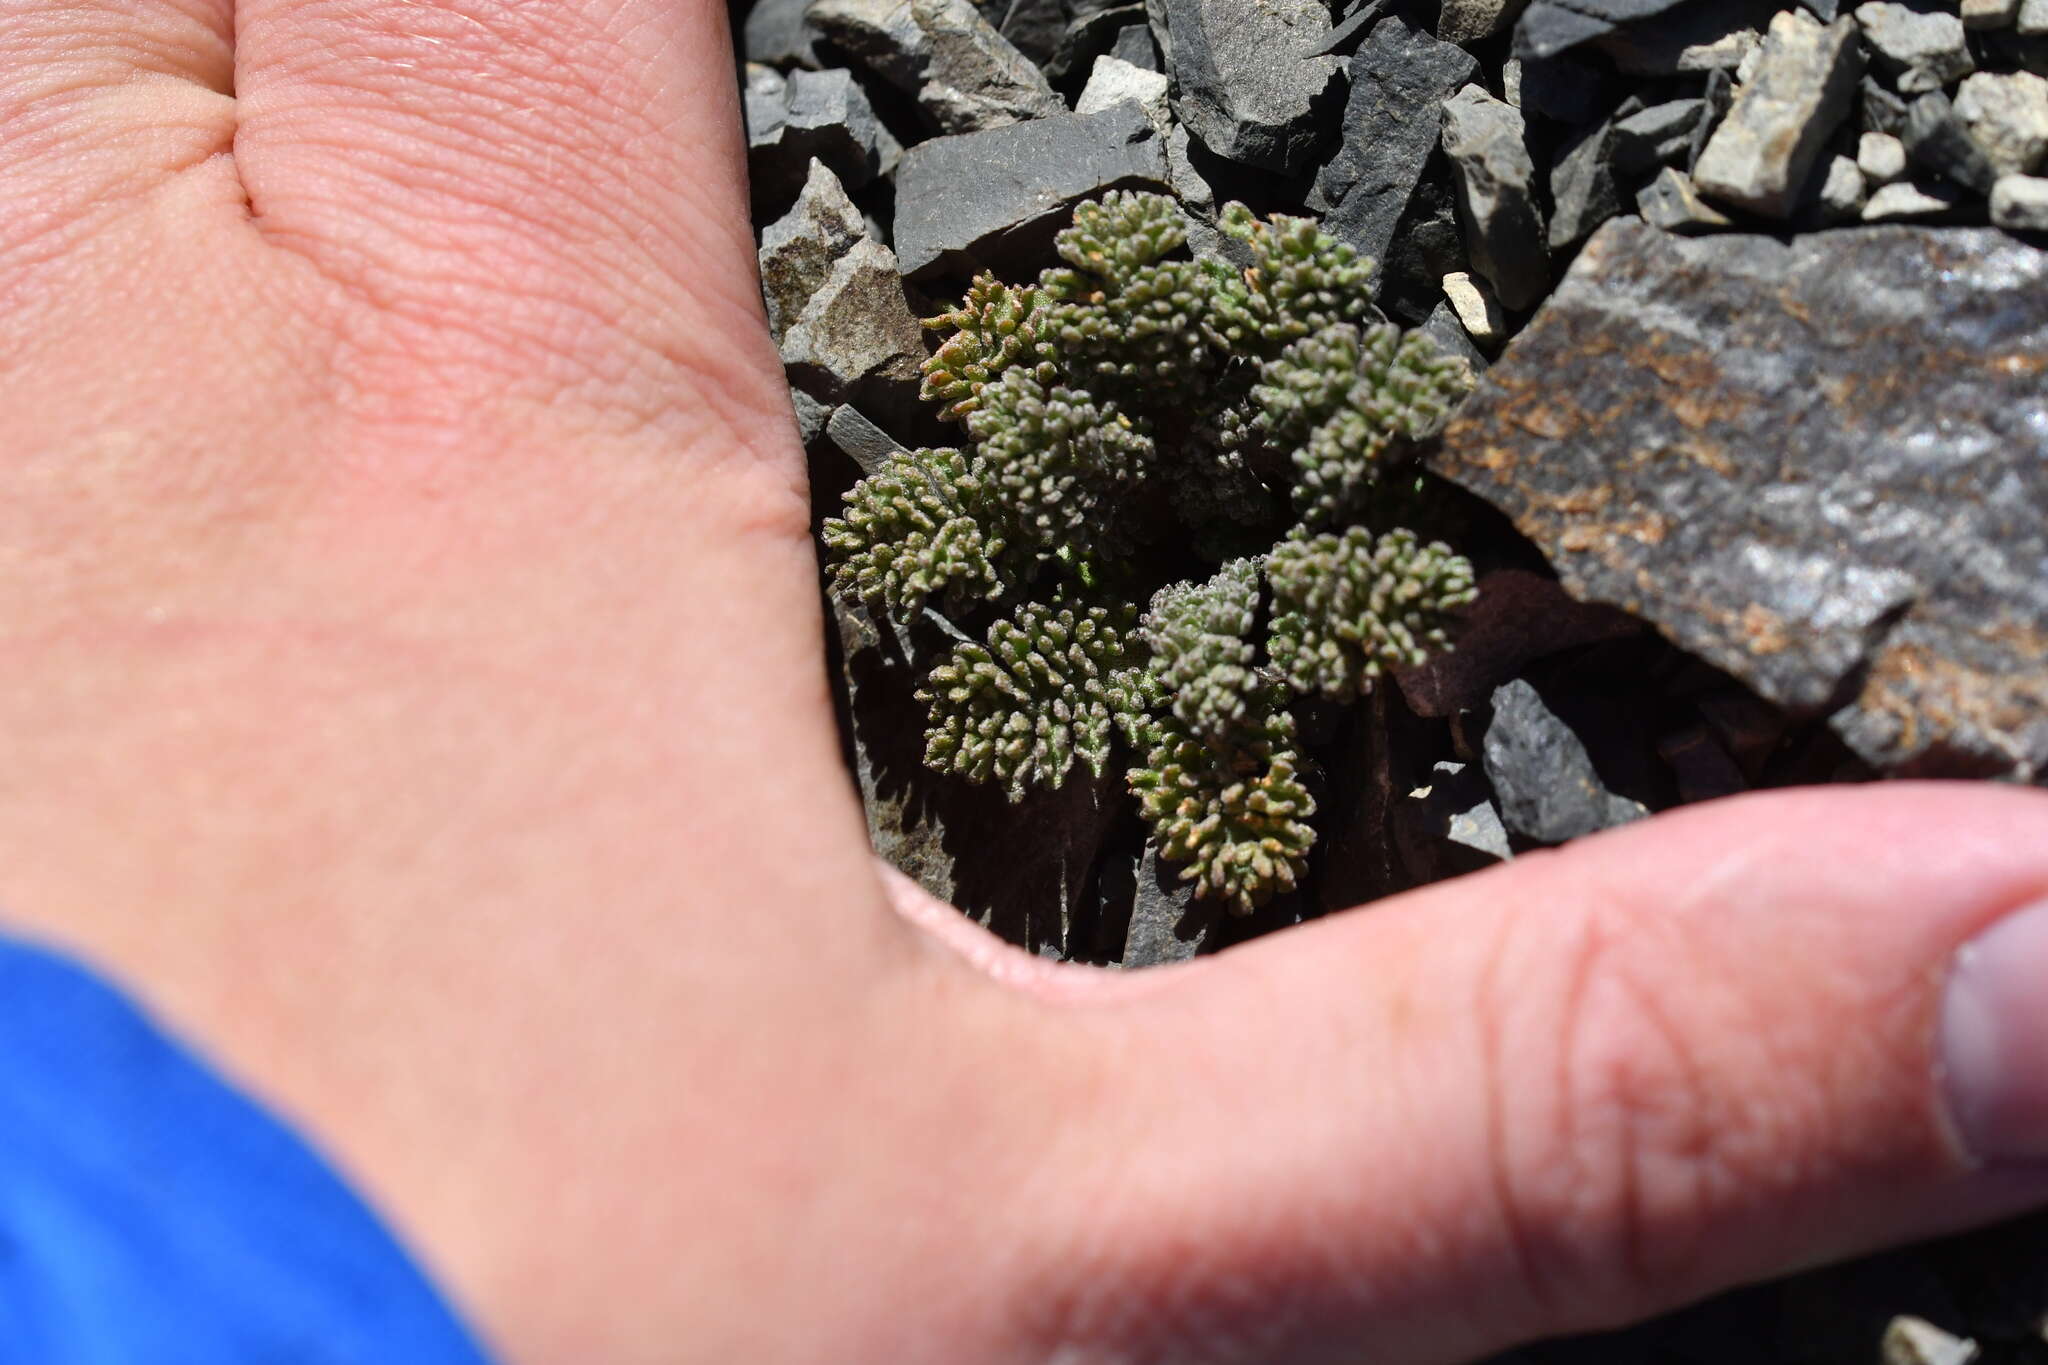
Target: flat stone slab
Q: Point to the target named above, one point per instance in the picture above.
(1821, 466)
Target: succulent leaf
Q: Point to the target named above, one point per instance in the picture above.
(914, 530)
(1348, 607)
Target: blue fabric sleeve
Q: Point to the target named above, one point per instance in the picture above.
(150, 1215)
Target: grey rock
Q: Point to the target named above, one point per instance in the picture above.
(865, 443)
(1448, 332)
(777, 34)
(2006, 116)
(2033, 18)
(1400, 78)
(1849, 518)
(1760, 156)
(1467, 21)
(811, 417)
(799, 249)
(1913, 201)
(1090, 35)
(1034, 27)
(1248, 87)
(1542, 775)
(1134, 45)
(1428, 244)
(1167, 923)
(1113, 80)
(1922, 50)
(1881, 157)
(1937, 141)
(991, 199)
(1842, 192)
(1520, 617)
(1456, 808)
(1694, 38)
(1661, 135)
(1553, 26)
(964, 75)
(1486, 141)
(2019, 203)
(1672, 202)
(1879, 110)
(822, 115)
(835, 302)
(1563, 89)
(1345, 36)
(1583, 191)
(1990, 13)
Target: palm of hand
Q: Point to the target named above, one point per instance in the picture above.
(414, 689)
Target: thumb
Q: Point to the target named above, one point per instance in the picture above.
(1578, 1089)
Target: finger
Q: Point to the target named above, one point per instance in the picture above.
(1579, 1088)
(530, 177)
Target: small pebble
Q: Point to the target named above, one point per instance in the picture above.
(1916, 1341)
(2019, 203)
(1477, 309)
(1881, 157)
(1906, 199)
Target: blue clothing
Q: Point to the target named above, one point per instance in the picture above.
(150, 1215)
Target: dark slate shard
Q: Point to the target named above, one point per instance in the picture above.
(1247, 86)
(866, 444)
(1400, 78)
(1549, 27)
(964, 75)
(1487, 142)
(1938, 141)
(1543, 778)
(777, 34)
(993, 199)
(1878, 109)
(1672, 202)
(1428, 245)
(1351, 28)
(1563, 89)
(1442, 327)
(1167, 923)
(1134, 44)
(1661, 135)
(821, 115)
(1091, 35)
(1034, 27)
(1675, 44)
(1848, 517)
(1583, 189)
(811, 417)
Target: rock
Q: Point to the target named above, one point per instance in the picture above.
(1990, 13)
(1428, 245)
(1449, 334)
(1504, 229)
(2019, 203)
(1661, 135)
(2006, 116)
(1456, 808)
(993, 199)
(1248, 88)
(1563, 89)
(1583, 193)
(1913, 200)
(1921, 50)
(777, 34)
(1879, 109)
(811, 417)
(1343, 39)
(821, 115)
(964, 75)
(1916, 1341)
(1114, 80)
(1842, 192)
(1881, 157)
(1699, 37)
(1477, 310)
(1850, 513)
(2033, 18)
(1760, 156)
(1553, 26)
(1520, 617)
(1937, 141)
(1134, 44)
(835, 303)
(1467, 21)
(1167, 923)
(1400, 78)
(1542, 775)
(1672, 202)
(1035, 28)
(866, 444)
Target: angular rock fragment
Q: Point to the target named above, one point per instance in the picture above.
(1672, 202)
(2033, 19)
(1477, 310)
(1583, 192)
(1444, 328)
(1937, 142)
(1553, 26)
(1760, 156)
(1248, 87)
(1698, 37)
(964, 75)
(1504, 229)
(836, 305)
(1913, 201)
(1466, 21)
(1915, 1341)
(2019, 203)
(1134, 45)
(1400, 78)
(866, 444)
(1113, 80)
(1842, 192)
(1661, 135)
(1542, 775)
(1855, 513)
(992, 199)
(2006, 116)
(1881, 157)
(1990, 13)
(777, 34)
(812, 114)
(1923, 50)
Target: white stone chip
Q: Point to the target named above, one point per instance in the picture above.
(2007, 117)
(1477, 309)
(1926, 50)
(1113, 80)
(1990, 13)
(1761, 155)
(1916, 1341)
(2019, 203)
(1843, 193)
(1881, 157)
(1909, 200)
(2033, 20)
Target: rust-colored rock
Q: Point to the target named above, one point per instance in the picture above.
(1821, 466)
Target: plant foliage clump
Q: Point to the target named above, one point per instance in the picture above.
(1205, 440)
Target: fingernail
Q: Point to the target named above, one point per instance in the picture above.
(1994, 1039)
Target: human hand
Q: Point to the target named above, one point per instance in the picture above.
(414, 690)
